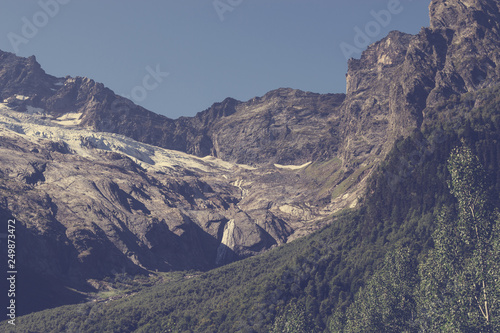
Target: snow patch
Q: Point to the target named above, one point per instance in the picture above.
(292, 167)
(21, 97)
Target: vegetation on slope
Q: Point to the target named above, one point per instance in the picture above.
(457, 286)
(313, 275)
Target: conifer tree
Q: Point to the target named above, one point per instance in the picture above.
(294, 319)
(387, 303)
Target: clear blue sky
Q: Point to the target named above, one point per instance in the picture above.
(243, 50)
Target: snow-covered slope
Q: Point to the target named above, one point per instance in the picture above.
(35, 126)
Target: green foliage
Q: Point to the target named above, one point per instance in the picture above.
(437, 305)
(460, 279)
(387, 303)
(468, 185)
(457, 288)
(294, 319)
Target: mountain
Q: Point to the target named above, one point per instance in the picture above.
(103, 187)
(93, 204)
(276, 128)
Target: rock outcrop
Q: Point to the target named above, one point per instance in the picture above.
(398, 82)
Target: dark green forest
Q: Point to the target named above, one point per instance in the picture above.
(420, 254)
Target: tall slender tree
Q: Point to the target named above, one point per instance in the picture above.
(460, 279)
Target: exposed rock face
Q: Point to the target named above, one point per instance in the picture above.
(462, 15)
(468, 33)
(399, 81)
(94, 204)
(374, 110)
(285, 126)
(23, 76)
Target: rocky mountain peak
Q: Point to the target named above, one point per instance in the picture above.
(218, 110)
(22, 76)
(463, 14)
(284, 93)
(388, 52)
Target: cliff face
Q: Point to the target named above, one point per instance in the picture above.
(374, 113)
(464, 15)
(23, 76)
(285, 126)
(469, 32)
(399, 80)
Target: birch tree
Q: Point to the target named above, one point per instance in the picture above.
(460, 279)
